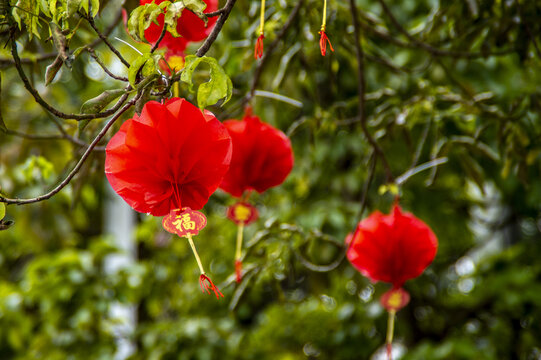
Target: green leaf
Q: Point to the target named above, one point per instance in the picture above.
(141, 18)
(71, 8)
(197, 7)
(134, 23)
(2, 210)
(94, 7)
(174, 11)
(136, 66)
(97, 104)
(52, 70)
(27, 12)
(218, 87)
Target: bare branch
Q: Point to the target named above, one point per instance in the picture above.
(162, 35)
(361, 88)
(92, 53)
(104, 39)
(226, 10)
(79, 164)
(50, 108)
(427, 47)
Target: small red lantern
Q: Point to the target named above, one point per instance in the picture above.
(262, 158)
(392, 248)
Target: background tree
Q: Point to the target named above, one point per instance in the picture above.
(435, 100)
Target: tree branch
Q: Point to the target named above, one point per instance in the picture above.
(79, 164)
(427, 47)
(226, 10)
(361, 88)
(162, 35)
(92, 53)
(104, 39)
(52, 55)
(50, 108)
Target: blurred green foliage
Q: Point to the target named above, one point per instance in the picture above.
(463, 86)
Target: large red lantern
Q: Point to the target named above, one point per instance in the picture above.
(168, 161)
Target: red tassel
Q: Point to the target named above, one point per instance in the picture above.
(238, 270)
(258, 51)
(389, 351)
(323, 40)
(208, 286)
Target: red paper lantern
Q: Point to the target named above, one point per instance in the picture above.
(262, 156)
(189, 26)
(392, 248)
(170, 157)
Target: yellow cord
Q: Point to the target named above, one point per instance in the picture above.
(240, 232)
(176, 89)
(262, 18)
(390, 327)
(189, 236)
(324, 23)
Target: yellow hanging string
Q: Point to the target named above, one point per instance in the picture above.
(324, 23)
(190, 240)
(258, 50)
(324, 39)
(238, 253)
(176, 89)
(390, 333)
(262, 18)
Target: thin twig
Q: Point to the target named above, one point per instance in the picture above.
(361, 88)
(429, 48)
(259, 70)
(371, 172)
(52, 109)
(93, 54)
(108, 30)
(39, 137)
(52, 55)
(528, 29)
(162, 35)
(104, 39)
(79, 164)
(217, 28)
(215, 13)
(270, 49)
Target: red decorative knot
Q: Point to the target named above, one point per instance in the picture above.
(392, 248)
(242, 213)
(395, 299)
(258, 50)
(184, 222)
(207, 286)
(323, 40)
(238, 271)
